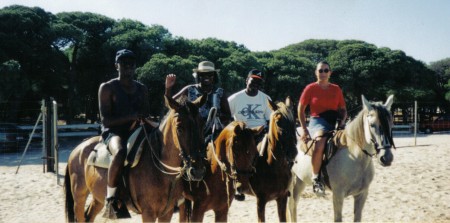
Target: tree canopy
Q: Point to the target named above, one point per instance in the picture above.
(66, 56)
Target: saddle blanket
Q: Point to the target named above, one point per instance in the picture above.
(101, 157)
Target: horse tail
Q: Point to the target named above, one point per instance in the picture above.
(70, 213)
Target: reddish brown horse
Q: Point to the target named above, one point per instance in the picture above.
(231, 158)
(273, 173)
(153, 191)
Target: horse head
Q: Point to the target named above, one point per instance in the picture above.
(378, 124)
(188, 137)
(241, 151)
(282, 128)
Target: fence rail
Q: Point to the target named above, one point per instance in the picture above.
(79, 130)
(75, 130)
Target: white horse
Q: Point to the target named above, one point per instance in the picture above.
(351, 170)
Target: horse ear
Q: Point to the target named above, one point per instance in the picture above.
(272, 105)
(238, 129)
(389, 102)
(171, 103)
(257, 130)
(199, 102)
(289, 103)
(366, 104)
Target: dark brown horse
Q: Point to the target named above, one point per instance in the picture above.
(273, 173)
(153, 190)
(231, 161)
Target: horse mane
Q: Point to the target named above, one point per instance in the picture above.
(356, 127)
(273, 128)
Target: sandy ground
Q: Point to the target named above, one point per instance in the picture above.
(416, 188)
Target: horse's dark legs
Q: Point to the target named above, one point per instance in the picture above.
(338, 202)
(94, 208)
(221, 215)
(281, 205)
(182, 212)
(165, 218)
(261, 207)
(360, 200)
(148, 216)
(198, 212)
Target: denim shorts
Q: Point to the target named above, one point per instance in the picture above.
(316, 124)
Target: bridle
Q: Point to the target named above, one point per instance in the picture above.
(384, 128)
(234, 172)
(187, 159)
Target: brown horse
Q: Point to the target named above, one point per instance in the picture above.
(273, 173)
(231, 161)
(153, 191)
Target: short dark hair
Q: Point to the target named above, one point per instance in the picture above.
(323, 62)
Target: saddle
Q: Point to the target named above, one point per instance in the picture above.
(102, 157)
(335, 140)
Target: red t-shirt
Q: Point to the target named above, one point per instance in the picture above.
(320, 100)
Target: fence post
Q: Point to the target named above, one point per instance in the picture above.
(44, 120)
(47, 133)
(415, 123)
(55, 144)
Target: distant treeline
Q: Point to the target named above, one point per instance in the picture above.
(67, 55)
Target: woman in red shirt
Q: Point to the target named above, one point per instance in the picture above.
(326, 104)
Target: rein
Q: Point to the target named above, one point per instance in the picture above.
(176, 170)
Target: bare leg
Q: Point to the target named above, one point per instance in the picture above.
(116, 167)
(317, 155)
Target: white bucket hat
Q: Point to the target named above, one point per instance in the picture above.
(205, 66)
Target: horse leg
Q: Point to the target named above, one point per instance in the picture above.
(281, 205)
(338, 202)
(166, 218)
(221, 215)
(94, 208)
(148, 216)
(182, 212)
(360, 200)
(261, 208)
(297, 187)
(198, 212)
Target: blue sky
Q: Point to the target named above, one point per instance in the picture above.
(420, 28)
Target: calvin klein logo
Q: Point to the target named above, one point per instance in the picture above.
(250, 111)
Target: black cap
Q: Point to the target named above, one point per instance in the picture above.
(254, 73)
(124, 54)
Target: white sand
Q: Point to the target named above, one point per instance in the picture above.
(416, 188)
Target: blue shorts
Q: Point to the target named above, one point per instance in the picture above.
(316, 124)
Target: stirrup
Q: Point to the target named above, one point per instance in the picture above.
(115, 209)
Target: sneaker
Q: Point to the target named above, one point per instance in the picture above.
(318, 187)
(115, 209)
(239, 197)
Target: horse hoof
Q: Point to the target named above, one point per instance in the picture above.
(239, 197)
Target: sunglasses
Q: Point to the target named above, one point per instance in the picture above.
(324, 71)
(206, 74)
(127, 63)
